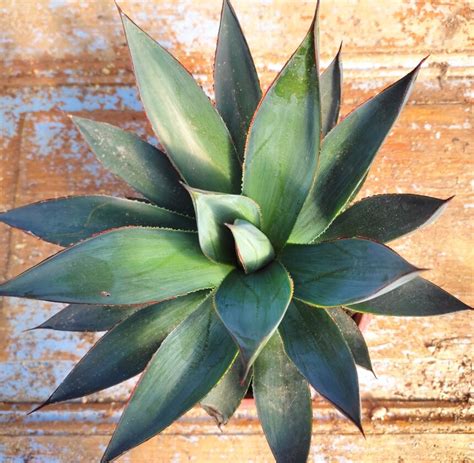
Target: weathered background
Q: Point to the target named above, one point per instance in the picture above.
(69, 56)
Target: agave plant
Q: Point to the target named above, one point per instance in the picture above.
(245, 260)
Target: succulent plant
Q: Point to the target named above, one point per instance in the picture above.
(245, 259)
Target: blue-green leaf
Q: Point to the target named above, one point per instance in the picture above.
(345, 271)
(418, 298)
(225, 397)
(254, 250)
(252, 306)
(318, 349)
(124, 266)
(188, 364)
(236, 82)
(283, 403)
(347, 153)
(330, 83)
(353, 336)
(283, 142)
(385, 217)
(185, 121)
(85, 317)
(125, 350)
(65, 221)
(213, 212)
(144, 167)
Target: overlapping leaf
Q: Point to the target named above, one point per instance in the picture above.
(318, 349)
(331, 90)
(353, 337)
(345, 271)
(236, 84)
(283, 403)
(347, 153)
(254, 249)
(385, 217)
(283, 142)
(252, 306)
(418, 298)
(188, 126)
(144, 167)
(185, 368)
(88, 215)
(125, 350)
(224, 398)
(124, 266)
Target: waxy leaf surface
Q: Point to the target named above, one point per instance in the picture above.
(85, 317)
(124, 266)
(283, 403)
(252, 306)
(418, 298)
(318, 349)
(213, 212)
(185, 121)
(254, 250)
(65, 221)
(283, 143)
(353, 336)
(347, 153)
(125, 350)
(225, 397)
(385, 217)
(236, 84)
(144, 167)
(330, 83)
(188, 364)
(344, 271)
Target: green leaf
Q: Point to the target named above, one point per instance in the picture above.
(225, 397)
(145, 168)
(65, 221)
(330, 83)
(418, 298)
(236, 82)
(283, 142)
(353, 336)
(84, 317)
(213, 212)
(126, 349)
(345, 271)
(185, 121)
(347, 153)
(254, 250)
(385, 217)
(252, 306)
(188, 364)
(123, 266)
(283, 403)
(318, 349)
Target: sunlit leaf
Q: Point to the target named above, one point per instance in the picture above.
(236, 82)
(283, 403)
(88, 215)
(251, 307)
(385, 217)
(347, 153)
(418, 298)
(187, 124)
(318, 349)
(188, 364)
(330, 83)
(344, 271)
(124, 266)
(254, 250)
(283, 143)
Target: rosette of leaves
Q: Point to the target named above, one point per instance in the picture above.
(245, 259)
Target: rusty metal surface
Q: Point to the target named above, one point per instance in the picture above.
(69, 56)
